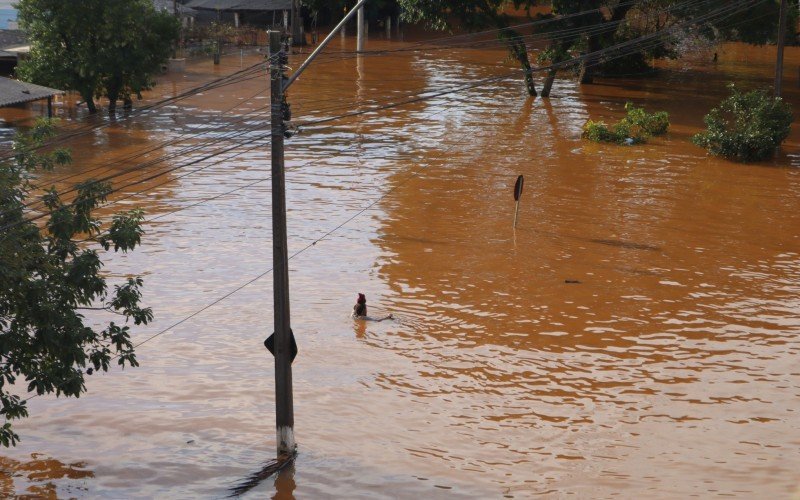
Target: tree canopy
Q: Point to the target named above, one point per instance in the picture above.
(96, 47)
(746, 126)
(50, 275)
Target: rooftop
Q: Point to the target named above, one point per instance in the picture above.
(16, 92)
(255, 5)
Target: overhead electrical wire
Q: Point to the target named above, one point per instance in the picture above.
(304, 249)
(565, 33)
(309, 245)
(615, 48)
(618, 50)
(488, 31)
(216, 83)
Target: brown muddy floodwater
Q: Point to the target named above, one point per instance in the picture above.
(670, 370)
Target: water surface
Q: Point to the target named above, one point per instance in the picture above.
(636, 336)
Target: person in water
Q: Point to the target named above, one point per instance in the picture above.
(360, 310)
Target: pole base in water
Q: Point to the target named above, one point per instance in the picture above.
(286, 443)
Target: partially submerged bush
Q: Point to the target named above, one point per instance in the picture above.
(652, 123)
(620, 133)
(746, 127)
(637, 126)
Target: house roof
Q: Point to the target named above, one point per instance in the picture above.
(167, 5)
(16, 92)
(255, 5)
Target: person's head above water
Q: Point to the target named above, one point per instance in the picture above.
(361, 305)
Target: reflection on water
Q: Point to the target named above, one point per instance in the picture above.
(37, 477)
(635, 335)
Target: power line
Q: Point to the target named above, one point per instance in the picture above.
(256, 278)
(565, 33)
(412, 175)
(594, 55)
(632, 46)
(216, 83)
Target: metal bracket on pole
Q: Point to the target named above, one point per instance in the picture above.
(322, 45)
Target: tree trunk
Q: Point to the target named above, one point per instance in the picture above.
(597, 42)
(522, 57)
(548, 82)
(88, 97)
(127, 103)
(588, 64)
(520, 52)
(112, 90)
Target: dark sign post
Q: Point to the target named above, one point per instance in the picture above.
(517, 194)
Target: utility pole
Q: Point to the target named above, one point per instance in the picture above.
(781, 44)
(298, 37)
(218, 44)
(174, 44)
(282, 343)
(284, 406)
(360, 30)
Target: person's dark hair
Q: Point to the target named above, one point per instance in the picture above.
(361, 305)
(361, 309)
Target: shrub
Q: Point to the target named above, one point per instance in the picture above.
(746, 127)
(620, 133)
(652, 123)
(637, 126)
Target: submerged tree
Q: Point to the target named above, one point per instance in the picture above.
(48, 277)
(635, 128)
(97, 48)
(609, 37)
(746, 126)
(475, 15)
(616, 37)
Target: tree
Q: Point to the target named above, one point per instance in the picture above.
(96, 47)
(746, 126)
(474, 15)
(48, 278)
(146, 41)
(606, 23)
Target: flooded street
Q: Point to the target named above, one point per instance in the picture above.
(636, 336)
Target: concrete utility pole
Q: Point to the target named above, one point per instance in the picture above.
(178, 17)
(298, 36)
(781, 44)
(360, 30)
(282, 343)
(284, 406)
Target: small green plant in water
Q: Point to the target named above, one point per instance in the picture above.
(637, 126)
(746, 126)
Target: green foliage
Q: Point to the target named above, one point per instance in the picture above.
(474, 15)
(651, 123)
(746, 126)
(620, 133)
(47, 278)
(637, 126)
(96, 47)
